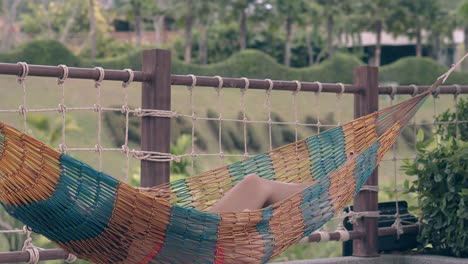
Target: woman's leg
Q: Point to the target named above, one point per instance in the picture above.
(254, 192)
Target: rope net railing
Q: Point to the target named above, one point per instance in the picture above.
(69, 115)
(295, 109)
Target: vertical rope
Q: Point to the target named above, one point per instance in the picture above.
(415, 92)
(21, 80)
(317, 105)
(194, 119)
(455, 99)
(268, 106)
(97, 108)
(244, 119)
(220, 117)
(435, 95)
(28, 246)
(339, 103)
(397, 223)
(61, 107)
(296, 118)
(126, 111)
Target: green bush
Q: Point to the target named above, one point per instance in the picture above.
(42, 51)
(256, 64)
(247, 63)
(442, 187)
(450, 129)
(413, 70)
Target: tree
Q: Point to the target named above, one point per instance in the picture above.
(159, 17)
(92, 30)
(242, 9)
(9, 9)
(207, 12)
(188, 32)
(379, 15)
(418, 16)
(291, 12)
(463, 14)
(136, 11)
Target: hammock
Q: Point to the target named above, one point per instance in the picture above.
(101, 219)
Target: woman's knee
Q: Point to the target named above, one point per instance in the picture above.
(252, 178)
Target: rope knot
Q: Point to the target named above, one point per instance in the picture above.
(62, 108)
(125, 109)
(97, 108)
(398, 226)
(125, 149)
(98, 148)
(62, 148)
(22, 110)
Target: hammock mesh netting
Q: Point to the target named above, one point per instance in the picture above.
(98, 218)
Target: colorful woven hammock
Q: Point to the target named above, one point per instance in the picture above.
(101, 219)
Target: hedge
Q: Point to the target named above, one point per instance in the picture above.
(42, 51)
(247, 63)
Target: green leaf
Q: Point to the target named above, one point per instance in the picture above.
(420, 135)
(464, 192)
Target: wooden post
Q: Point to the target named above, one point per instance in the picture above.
(155, 131)
(365, 103)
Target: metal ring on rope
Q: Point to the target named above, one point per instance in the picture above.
(343, 88)
(344, 235)
(66, 71)
(320, 87)
(324, 236)
(101, 76)
(298, 86)
(415, 90)
(24, 71)
(131, 76)
(220, 81)
(436, 92)
(271, 84)
(246, 84)
(457, 90)
(194, 80)
(394, 91)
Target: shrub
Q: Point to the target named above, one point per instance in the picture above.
(43, 51)
(414, 70)
(448, 130)
(442, 186)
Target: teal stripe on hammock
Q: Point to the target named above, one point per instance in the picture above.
(259, 164)
(263, 228)
(191, 237)
(316, 207)
(366, 162)
(183, 193)
(327, 152)
(79, 208)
